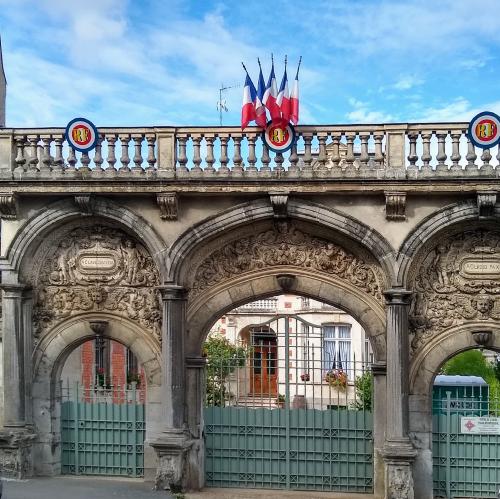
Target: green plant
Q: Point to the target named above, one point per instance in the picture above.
(364, 392)
(336, 378)
(223, 358)
(280, 399)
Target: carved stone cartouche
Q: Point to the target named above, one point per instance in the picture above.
(97, 268)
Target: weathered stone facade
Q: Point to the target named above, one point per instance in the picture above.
(161, 241)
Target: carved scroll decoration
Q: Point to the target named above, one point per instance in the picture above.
(286, 245)
(97, 268)
(459, 280)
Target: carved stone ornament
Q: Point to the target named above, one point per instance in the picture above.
(85, 203)
(486, 202)
(395, 206)
(279, 202)
(97, 268)
(458, 281)
(168, 204)
(8, 206)
(400, 482)
(286, 245)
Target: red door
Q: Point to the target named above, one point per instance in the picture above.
(264, 367)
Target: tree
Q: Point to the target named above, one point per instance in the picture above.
(469, 363)
(223, 358)
(364, 391)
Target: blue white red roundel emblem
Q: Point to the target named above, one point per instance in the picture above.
(279, 137)
(81, 134)
(484, 130)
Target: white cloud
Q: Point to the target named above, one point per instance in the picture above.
(407, 82)
(362, 113)
(459, 109)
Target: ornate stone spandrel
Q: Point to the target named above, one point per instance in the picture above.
(287, 245)
(168, 203)
(8, 206)
(457, 281)
(97, 268)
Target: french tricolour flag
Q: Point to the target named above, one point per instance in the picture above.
(248, 107)
(270, 96)
(260, 109)
(283, 99)
(294, 98)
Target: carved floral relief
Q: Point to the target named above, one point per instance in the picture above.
(97, 268)
(286, 245)
(459, 280)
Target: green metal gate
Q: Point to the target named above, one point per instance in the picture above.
(306, 430)
(102, 431)
(466, 464)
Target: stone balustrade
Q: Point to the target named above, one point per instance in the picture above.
(401, 151)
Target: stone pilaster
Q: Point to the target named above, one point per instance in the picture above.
(398, 451)
(172, 443)
(13, 356)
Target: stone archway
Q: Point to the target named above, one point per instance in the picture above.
(267, 258)
(49, 358)
(456, 285)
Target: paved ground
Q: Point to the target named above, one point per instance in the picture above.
(80, 488)
(267, 494)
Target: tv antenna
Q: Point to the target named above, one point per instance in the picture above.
(221, 103)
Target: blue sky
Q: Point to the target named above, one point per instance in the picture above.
(161, 62)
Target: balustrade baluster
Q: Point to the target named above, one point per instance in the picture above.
(111, 159)
(124, 158)
(307, 159)
(455, 152)
(498, 156)
(181, 140)
(196, 154)
(252, 159)
(266, 159)
(322, 152)
(487, 168)
(98, 155)
(237, 159)
(20, 158)
(223, 170)
(210, 160)
(335, 149)
(46, 159)
(33, 159)
(379, 156)
(293, 170)
(471, 154)
(71, 161)
(364, 157)
(412, 156)
(58, 162)
(278, 161)
(426, 152)
(137, 153)
(150, 138)
(85, 161)
(349, 158)
(441, 154)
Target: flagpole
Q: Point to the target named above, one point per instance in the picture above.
(298, 68)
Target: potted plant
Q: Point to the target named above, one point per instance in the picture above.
(336, 378)
(305, 376)
(280, 400)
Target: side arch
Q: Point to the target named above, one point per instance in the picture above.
(36, 228)
(49, 358)
(261, 210)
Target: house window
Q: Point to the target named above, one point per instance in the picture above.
(102, 358)
(133, 374)
(337, 347)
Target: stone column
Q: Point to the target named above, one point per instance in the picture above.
(379, 406)
(13, 356)
(398, 451)
(172, 443)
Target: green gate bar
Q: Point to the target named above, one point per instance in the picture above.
(102, 431)
(282, 410)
